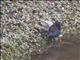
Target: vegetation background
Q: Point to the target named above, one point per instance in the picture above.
(19, 19)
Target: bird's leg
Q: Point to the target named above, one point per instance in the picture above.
(48, 42)
(61, 42)
(53, 42)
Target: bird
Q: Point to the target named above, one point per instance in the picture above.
(52, 31)
(55, 31)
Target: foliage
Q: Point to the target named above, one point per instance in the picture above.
(19, 19)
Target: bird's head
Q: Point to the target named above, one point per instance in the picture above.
(58, 24)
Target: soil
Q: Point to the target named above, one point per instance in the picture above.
(67, 52)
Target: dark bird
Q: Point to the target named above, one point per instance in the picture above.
(53, 31)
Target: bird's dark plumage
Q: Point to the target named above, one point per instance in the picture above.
(54, 30)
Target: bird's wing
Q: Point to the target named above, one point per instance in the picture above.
(54, 31)
(50, 23)
(46, 24)
(53, 28)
